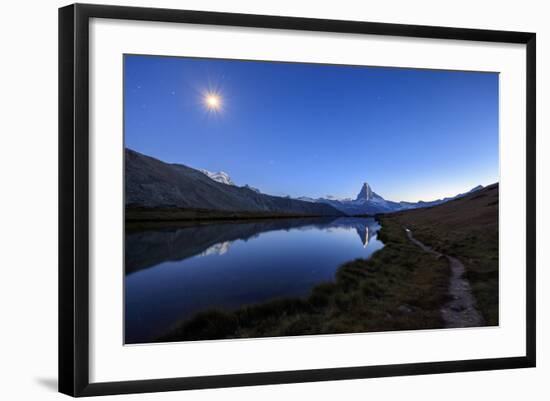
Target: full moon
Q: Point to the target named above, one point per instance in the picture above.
(213, 101)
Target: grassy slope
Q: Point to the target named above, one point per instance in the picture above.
(468, 229)
(399, 288)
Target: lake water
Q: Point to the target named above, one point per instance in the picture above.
(171, 274)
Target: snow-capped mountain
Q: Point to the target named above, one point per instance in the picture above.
(151, 183)
(366, 194)
(332, 197)
(221, 177)
(369, 202)
(366, 202)
(307, 199)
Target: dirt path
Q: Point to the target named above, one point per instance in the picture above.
(461, 310)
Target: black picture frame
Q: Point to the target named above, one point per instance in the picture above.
(74, 198)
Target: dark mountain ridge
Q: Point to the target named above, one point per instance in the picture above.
(153, 184)
(156, 190)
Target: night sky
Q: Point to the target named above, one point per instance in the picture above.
(315, 130)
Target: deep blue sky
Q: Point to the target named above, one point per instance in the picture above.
(317, 130)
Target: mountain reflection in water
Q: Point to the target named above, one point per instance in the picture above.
(361, 227)
(171, 274)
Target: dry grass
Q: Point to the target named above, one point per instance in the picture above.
(466, 228)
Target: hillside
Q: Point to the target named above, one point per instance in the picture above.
(157, 190)
(466, 228)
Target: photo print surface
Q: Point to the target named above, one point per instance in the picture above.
(268, 199)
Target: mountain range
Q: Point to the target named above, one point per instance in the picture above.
(369, 202)
(152, 183)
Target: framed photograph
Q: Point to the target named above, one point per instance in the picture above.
(250, 199)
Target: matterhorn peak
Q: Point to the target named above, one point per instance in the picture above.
(366, 192)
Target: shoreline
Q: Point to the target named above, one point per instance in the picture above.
(398, 288)
(145, 218)
(183, 214)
